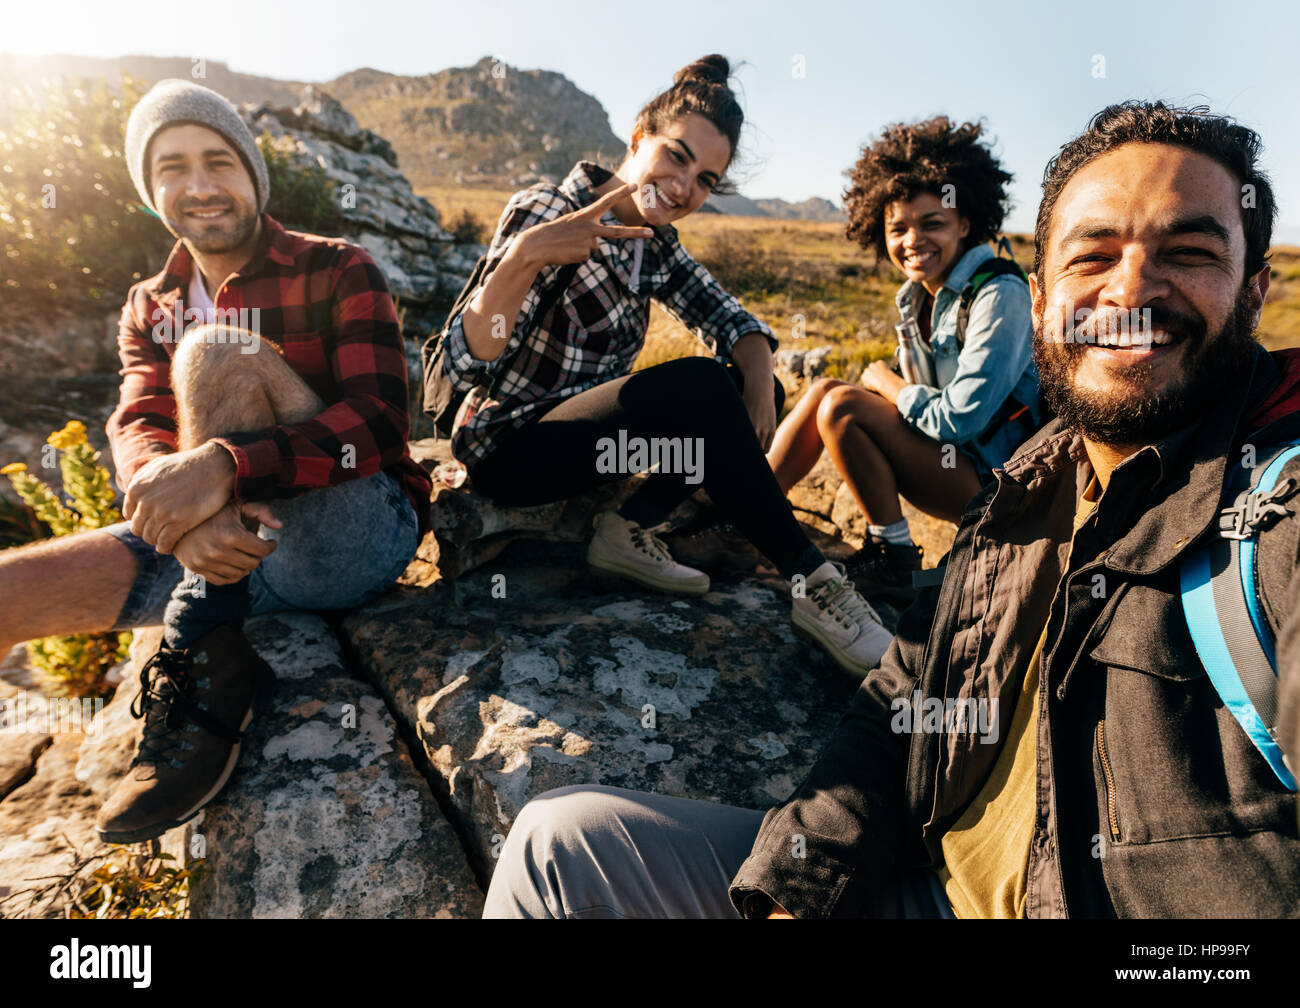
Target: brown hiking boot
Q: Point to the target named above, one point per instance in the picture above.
(883, 570)
(196, 703)
(719, 548)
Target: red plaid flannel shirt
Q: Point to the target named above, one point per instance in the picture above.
(325, 305)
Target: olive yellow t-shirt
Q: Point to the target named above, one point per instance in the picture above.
(986, 852)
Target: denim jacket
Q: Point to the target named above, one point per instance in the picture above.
(975, 380)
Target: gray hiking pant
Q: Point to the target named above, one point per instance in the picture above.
(603, 852)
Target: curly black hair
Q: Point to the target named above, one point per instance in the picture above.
(908, 159)
(1236, 147)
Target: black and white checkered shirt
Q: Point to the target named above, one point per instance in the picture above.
(598, 325)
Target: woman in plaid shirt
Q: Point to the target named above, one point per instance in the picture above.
(545, 345)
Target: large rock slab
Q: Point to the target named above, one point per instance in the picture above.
(46, 811)
(20, 747)
(378, 209)
(470, 530)
(527, 675)
(48, 828)
(326, 815)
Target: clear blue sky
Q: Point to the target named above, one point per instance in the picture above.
(1027, 68)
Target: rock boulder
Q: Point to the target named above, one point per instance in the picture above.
(528, 673)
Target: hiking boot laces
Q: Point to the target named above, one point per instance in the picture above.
(651, 545)
(168, 710)
(844, 603)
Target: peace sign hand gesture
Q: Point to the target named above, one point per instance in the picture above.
(574, 237)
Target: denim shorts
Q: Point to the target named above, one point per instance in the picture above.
(340, 547)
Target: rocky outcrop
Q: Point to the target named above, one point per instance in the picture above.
(813, 208)
(490, 124)
(47, 812)
(529, 673)
(326, 815)
(797, 367)
(469, 529)
(379, 210)
(404, 740)
(48, 828)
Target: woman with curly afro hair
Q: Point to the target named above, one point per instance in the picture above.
(929, 196)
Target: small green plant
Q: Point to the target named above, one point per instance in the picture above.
(73, 665)
(119, 884)
(302, 198)
(467, 229)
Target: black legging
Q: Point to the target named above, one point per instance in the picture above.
(554, 456)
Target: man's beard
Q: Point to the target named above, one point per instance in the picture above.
(1127, 415)
(218, 241)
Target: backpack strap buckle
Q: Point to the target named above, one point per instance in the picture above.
(1256, 510)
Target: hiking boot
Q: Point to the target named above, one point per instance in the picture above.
(196, 703)
(624, 547)
(719, 547)
(884, 570)
(837, 619)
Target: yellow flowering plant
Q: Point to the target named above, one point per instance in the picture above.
(72, 665)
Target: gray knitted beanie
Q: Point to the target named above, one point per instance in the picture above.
(180, 101)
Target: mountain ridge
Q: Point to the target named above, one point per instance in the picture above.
(487, 125)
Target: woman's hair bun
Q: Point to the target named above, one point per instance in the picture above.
(699, 88)
(711, 69)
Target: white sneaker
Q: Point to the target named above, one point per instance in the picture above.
(624, 547)
(837, 619)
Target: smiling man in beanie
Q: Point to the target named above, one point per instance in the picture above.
(260, 441)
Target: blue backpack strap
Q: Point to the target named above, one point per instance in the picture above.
(1221, 602)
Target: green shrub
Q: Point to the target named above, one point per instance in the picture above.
(74, 665)
(303, 198)
(70, 222)
(467, 229)
(749, 269)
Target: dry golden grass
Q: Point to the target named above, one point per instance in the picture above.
(452, 201)
(1279, 325)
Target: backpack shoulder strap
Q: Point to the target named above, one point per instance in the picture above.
(990, 268)
(1220, 598)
